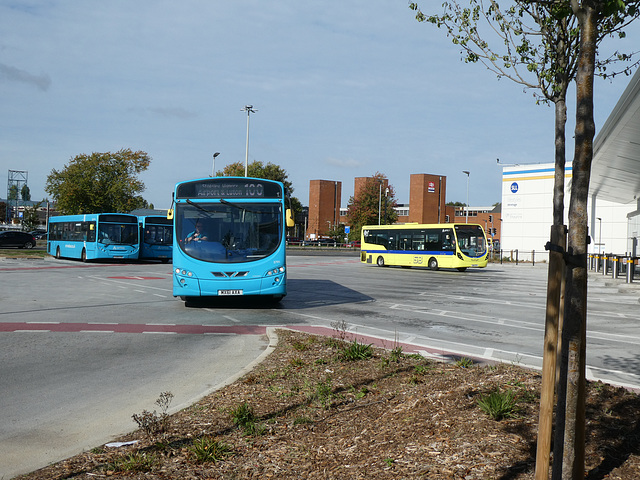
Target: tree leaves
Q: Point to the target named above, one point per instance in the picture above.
(100, 182)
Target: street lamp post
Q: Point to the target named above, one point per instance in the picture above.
(467, 209)
(213, 168)
(249, 109)
(379, 203)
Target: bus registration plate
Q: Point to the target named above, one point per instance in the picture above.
(230, 292)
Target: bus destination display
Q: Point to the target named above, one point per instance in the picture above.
(240, 188)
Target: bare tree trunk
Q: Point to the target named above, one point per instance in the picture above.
(554, 293)
(572, 376)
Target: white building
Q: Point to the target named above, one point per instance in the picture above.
(527, 213)
(614, 190)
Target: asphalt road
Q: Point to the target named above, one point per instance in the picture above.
(83, 347)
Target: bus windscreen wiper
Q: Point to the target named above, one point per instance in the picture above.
(240, 207)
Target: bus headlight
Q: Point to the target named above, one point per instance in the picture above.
(275, 271)
(183, 272)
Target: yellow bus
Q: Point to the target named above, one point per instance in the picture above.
(444, 245)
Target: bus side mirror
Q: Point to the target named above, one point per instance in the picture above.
(170, 214)
(290, 222)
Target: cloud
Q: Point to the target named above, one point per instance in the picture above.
(13, 74)
(345, 162)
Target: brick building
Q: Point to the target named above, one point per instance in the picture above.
(427, 194)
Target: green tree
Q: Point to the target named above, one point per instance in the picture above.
(258, 169)
(3, 212)
(373, 202)
(25, 193)
(30, 217)
(270, 171)
(100, 182)
(12, 194)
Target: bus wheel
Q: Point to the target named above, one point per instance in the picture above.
(58, 253)
(433, 263)
(83, 255)
(380, 262)
(462, 269)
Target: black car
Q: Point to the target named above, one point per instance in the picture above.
(39, 233)
(17, 239)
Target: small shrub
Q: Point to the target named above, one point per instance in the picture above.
(134, 462)
(464, 362)
(356, 351)
(151, 422)
(302, 421)
(246, 419)
(340, 328)
(396, 354)
(296, 362)
(421, 369)
(323, 393)
(207, 449)
(498, 405)
(299, 346)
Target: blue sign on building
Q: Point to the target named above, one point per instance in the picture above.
(514, 187)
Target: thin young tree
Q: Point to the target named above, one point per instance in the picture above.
(542, 55)
(595, 17)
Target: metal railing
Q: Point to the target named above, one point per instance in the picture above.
(614, 265)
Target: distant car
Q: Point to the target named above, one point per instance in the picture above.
(355, 244)
(17, 239)
(39, 234)
(324, 241)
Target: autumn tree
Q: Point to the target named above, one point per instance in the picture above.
(100, 182)
(374, 203)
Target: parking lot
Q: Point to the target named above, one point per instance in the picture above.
(84, 346)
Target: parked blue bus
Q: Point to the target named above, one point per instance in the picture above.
(229, 238)
(94, 236)
(156, 238)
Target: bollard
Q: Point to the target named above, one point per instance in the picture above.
(597, 263)
(516, 256)
(629, 270)
(533, 258)
(605, 264)
(614, 268)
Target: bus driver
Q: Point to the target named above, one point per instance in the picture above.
(197, 235)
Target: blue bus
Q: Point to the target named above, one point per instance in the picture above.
(229, 238)
(94, 236)
(156, 238)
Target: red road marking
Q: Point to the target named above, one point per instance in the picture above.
(60, 266)
(132, 328)
(132, 277)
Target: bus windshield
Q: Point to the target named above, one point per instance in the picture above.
(158, 234)
(471, 240)
(228, 232)
(117, 233)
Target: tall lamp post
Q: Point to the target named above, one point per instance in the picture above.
(467, 209)
(249, 109)
(213, 168)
